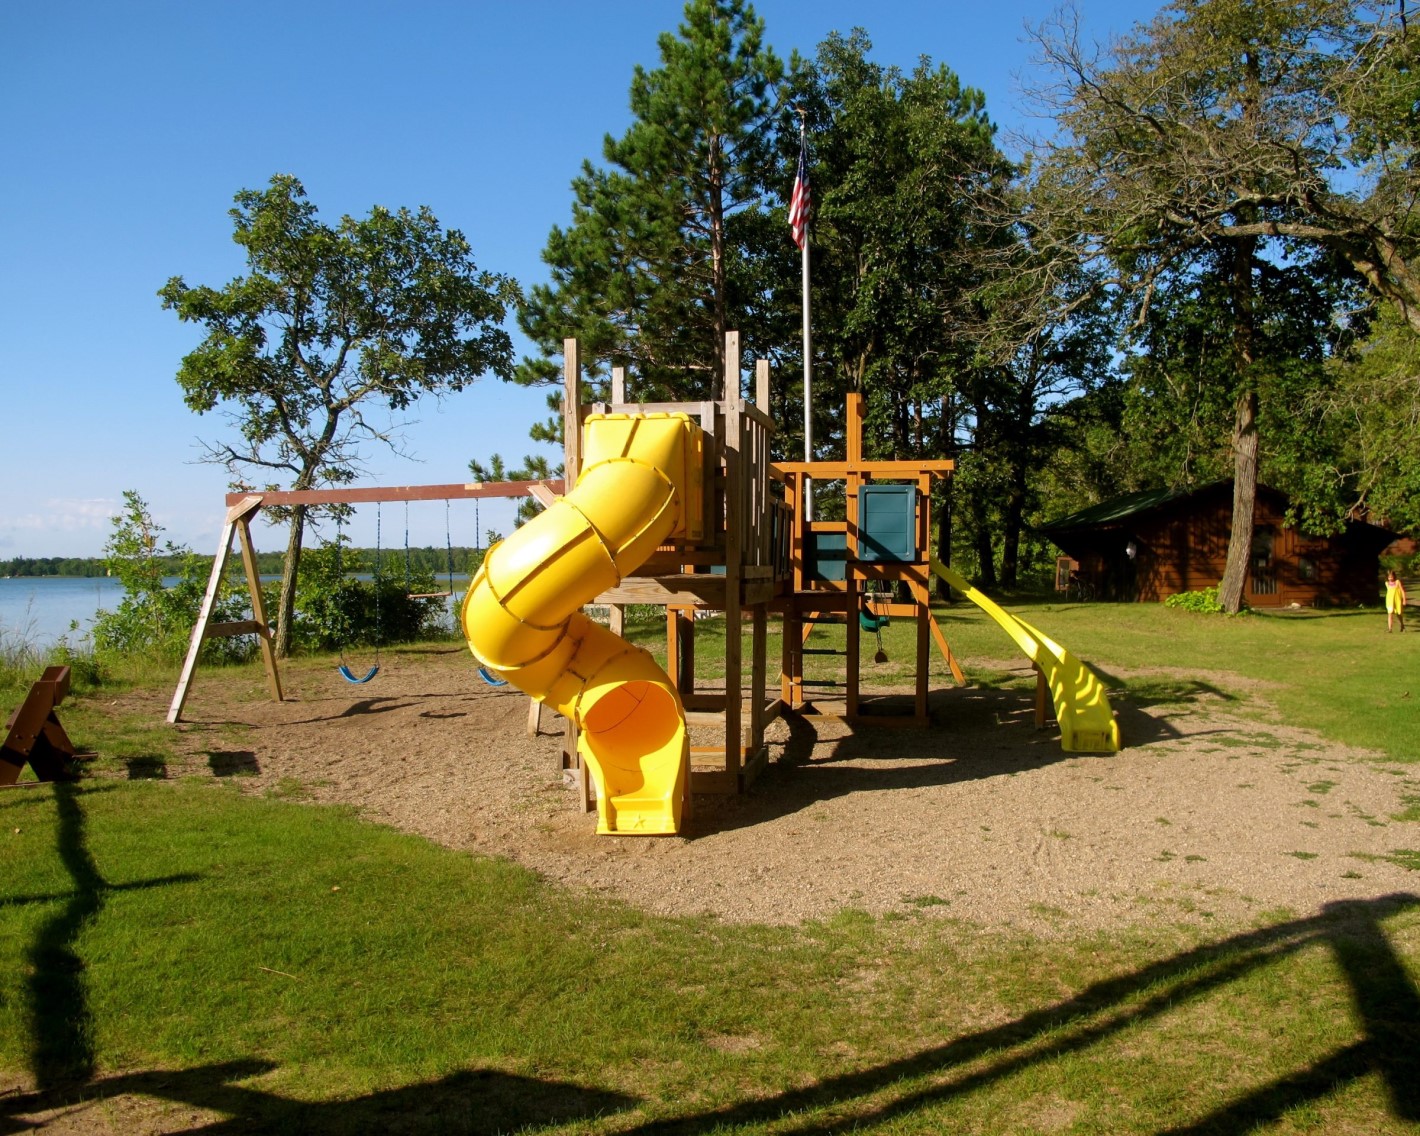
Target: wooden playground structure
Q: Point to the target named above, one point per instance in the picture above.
(756, 553)
(761, 556)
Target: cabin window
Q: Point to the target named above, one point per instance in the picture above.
(1306, 568)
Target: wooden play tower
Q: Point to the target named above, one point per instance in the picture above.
(761, 556)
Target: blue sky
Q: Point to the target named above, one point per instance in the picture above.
(129, 127)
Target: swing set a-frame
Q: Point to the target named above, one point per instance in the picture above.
(243, 507)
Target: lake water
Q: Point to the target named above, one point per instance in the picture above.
(39, 609)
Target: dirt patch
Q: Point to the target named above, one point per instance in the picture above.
(1205, 817)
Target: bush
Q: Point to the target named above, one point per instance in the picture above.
(1203, 602)
(335, 608)
(155, 617)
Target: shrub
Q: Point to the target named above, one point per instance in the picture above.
(156, 617)
(336, 608)
(1203, 602)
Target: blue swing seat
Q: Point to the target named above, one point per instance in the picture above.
(349, 676)
(484, 674)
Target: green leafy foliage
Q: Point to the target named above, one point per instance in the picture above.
(1202, 602)
(643, 274)
(157, 613)
(337, 607)
(535, 467)
(335, 331)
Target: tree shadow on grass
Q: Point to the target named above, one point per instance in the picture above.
(1385, 1000)
(146, 768)
(1386, 1007)
(474, 1101)
(61, 1028)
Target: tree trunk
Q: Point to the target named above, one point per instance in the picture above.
(1245, 439)
(286, 605)
(944, 538)
(985, 554)
(1245, 444)
(719, 286)
(1014, 518)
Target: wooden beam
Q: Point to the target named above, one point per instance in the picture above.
(758, 672)
(571, 410)
(946, 650)
(687, 590)
(884, 469)
(237, 627)
(457, 491)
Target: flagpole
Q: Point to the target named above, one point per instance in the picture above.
(808, 336)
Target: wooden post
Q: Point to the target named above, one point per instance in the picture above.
(790, 675)
(735, 496)
(571, 412)
(758, 673)
(921, 594)
(237, 515)
(258, 607)
(572, 466)
(854, 651)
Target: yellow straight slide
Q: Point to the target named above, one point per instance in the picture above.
(1087, 723)
(522, 616)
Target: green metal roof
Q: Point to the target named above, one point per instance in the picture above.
(1116, 510)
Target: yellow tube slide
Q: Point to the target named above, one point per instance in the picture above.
(522, 615)
(1087, 723)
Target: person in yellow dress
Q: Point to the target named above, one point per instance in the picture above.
(1394, 601)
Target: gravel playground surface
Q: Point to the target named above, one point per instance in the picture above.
(1205, 817)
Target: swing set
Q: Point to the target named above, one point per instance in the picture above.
(243, 507)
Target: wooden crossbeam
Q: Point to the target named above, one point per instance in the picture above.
(455, 491)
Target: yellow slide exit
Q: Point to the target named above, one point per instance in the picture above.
(1087, 723)
(639, 484)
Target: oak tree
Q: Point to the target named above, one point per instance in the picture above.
(1221, 137)
(332, 335)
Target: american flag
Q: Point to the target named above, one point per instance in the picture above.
(799, 202)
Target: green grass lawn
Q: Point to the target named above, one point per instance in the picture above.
(300, 970)
(291, 968)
